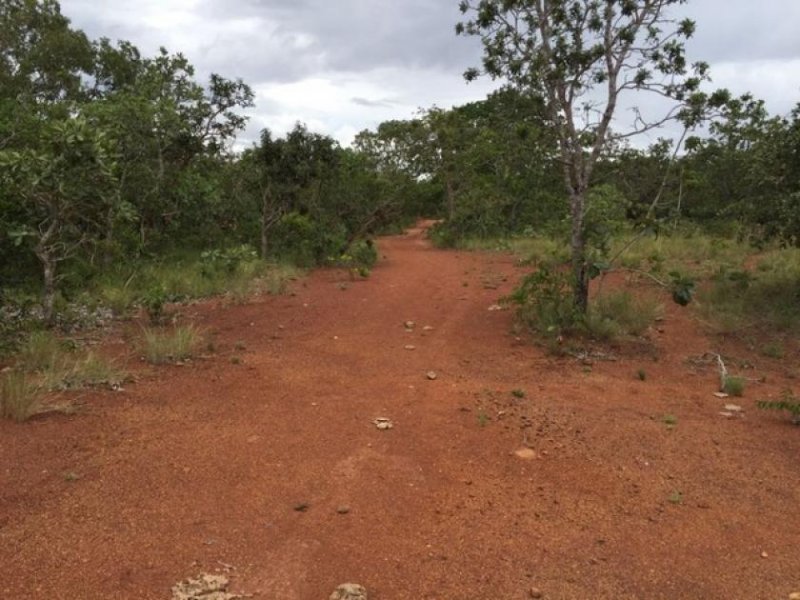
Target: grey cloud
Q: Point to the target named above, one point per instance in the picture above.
(372, 103)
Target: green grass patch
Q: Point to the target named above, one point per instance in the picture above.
(733, 385)
(619, 313)
(766, 297)
(168, 346)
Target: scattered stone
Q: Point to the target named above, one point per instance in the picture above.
(525, 453)
(733, 408)
(427, 328)
(495, 307)
(203, 587)
(727, 415)
(535, 593)
(383, 423)
(302, 506)
(764, 554)
(794, 596)
(431, 375)
(721, 395)
(343, 510)
(409, 324)
(410, 347)
(349, 591)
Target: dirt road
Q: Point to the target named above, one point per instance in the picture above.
(273, 470)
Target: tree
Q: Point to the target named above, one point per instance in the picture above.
(63, 183)
(581, 57)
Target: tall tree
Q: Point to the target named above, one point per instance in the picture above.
(581, 57)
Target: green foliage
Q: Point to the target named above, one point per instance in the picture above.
(788, 403)
(153, 301)
(229, 259)
(733, 385)
(620, 313)
(670, 420)
(773, 350)
(764, 298)
(160, 347)
(544, 304)
(42, 351)
(544, 301)
(675, 497)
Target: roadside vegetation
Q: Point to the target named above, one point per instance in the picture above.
(121, 193)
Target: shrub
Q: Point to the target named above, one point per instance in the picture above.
(544, 301)
(153, 302)
(161, 347)
(733, 386)
(364, 253)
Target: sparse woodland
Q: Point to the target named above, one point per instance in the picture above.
(123, 187)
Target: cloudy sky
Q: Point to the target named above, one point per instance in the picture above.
(344, 65)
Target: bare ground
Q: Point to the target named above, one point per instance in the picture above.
(206, 467)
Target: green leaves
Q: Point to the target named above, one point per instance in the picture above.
(682, 288)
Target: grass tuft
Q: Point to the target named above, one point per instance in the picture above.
(620, 313)
(161, 347)
(18, 398)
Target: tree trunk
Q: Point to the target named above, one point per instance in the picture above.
(451, 201)
(578, 245)
(49, 283)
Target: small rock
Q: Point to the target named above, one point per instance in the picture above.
(410, 347)
(764, 554)
(343, 510)
(535, 593)
(727, 415)
(427, 328)
(204, 587)
(495, 307)
(431, 375)
(525, 453)
(383, 423)
(733, 408)
(302, 506)
(349, 591)
(794, 596)
(721, 395)
(409, 324)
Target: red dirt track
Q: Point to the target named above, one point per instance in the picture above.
(197, 467)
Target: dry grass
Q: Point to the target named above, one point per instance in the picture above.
(161, 347)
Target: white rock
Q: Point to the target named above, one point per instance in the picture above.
(349, 591)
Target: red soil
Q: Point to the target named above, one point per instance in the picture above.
(197, 467)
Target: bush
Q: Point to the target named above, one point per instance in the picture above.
(733, 386)
(545, 304)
